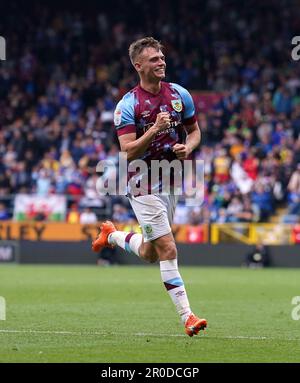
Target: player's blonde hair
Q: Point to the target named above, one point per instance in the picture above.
(138, 46)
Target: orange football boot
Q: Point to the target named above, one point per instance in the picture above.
(194, 324)
(101, 241)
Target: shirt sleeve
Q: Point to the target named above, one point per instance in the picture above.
(124, 120)
(188, 102)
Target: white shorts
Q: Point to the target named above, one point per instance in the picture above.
(154, 213)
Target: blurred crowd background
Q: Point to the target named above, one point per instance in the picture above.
(67, 66)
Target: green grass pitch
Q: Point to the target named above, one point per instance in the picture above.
(124, 314)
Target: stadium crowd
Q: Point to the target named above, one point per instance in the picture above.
(61, 82)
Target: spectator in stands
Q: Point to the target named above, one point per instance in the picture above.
(240, 177)
(43, 183)
(282, 101)
(234, 209)
(259, 257)
(88, 217)
(263, 200)
(73, 215)
(66, 160)
(247, 212)
(5, 182)
(120, 213)
(4, 215)
(221, 166)
(21, 178)
(294, 192)
(250, 164)
(222, 216)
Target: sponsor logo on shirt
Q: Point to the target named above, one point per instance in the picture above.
(117, 117)
(163, 108)
(146, 114)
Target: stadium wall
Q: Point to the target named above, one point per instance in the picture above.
(49, 252)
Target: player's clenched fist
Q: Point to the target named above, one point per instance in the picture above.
(182, 151)
(162, 121)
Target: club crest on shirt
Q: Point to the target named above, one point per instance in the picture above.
(176, 105)
(117, 117)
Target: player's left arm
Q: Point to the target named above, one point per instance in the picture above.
(191, 126)
(193, 139)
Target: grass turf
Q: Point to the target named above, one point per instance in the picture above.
(124, 314)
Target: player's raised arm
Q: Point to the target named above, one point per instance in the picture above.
(191, 126)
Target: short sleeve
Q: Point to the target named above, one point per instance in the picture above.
(124, 120)
(188, 102)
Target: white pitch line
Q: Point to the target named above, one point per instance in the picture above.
(29, 331)
(219, 337)
(78, 333)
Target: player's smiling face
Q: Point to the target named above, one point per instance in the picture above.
(151, 64)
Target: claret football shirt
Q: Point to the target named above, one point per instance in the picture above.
(137, 112)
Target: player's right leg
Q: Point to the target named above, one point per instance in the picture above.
(157, 243)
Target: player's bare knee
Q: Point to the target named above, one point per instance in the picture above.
(167, 252)
(171, 251)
